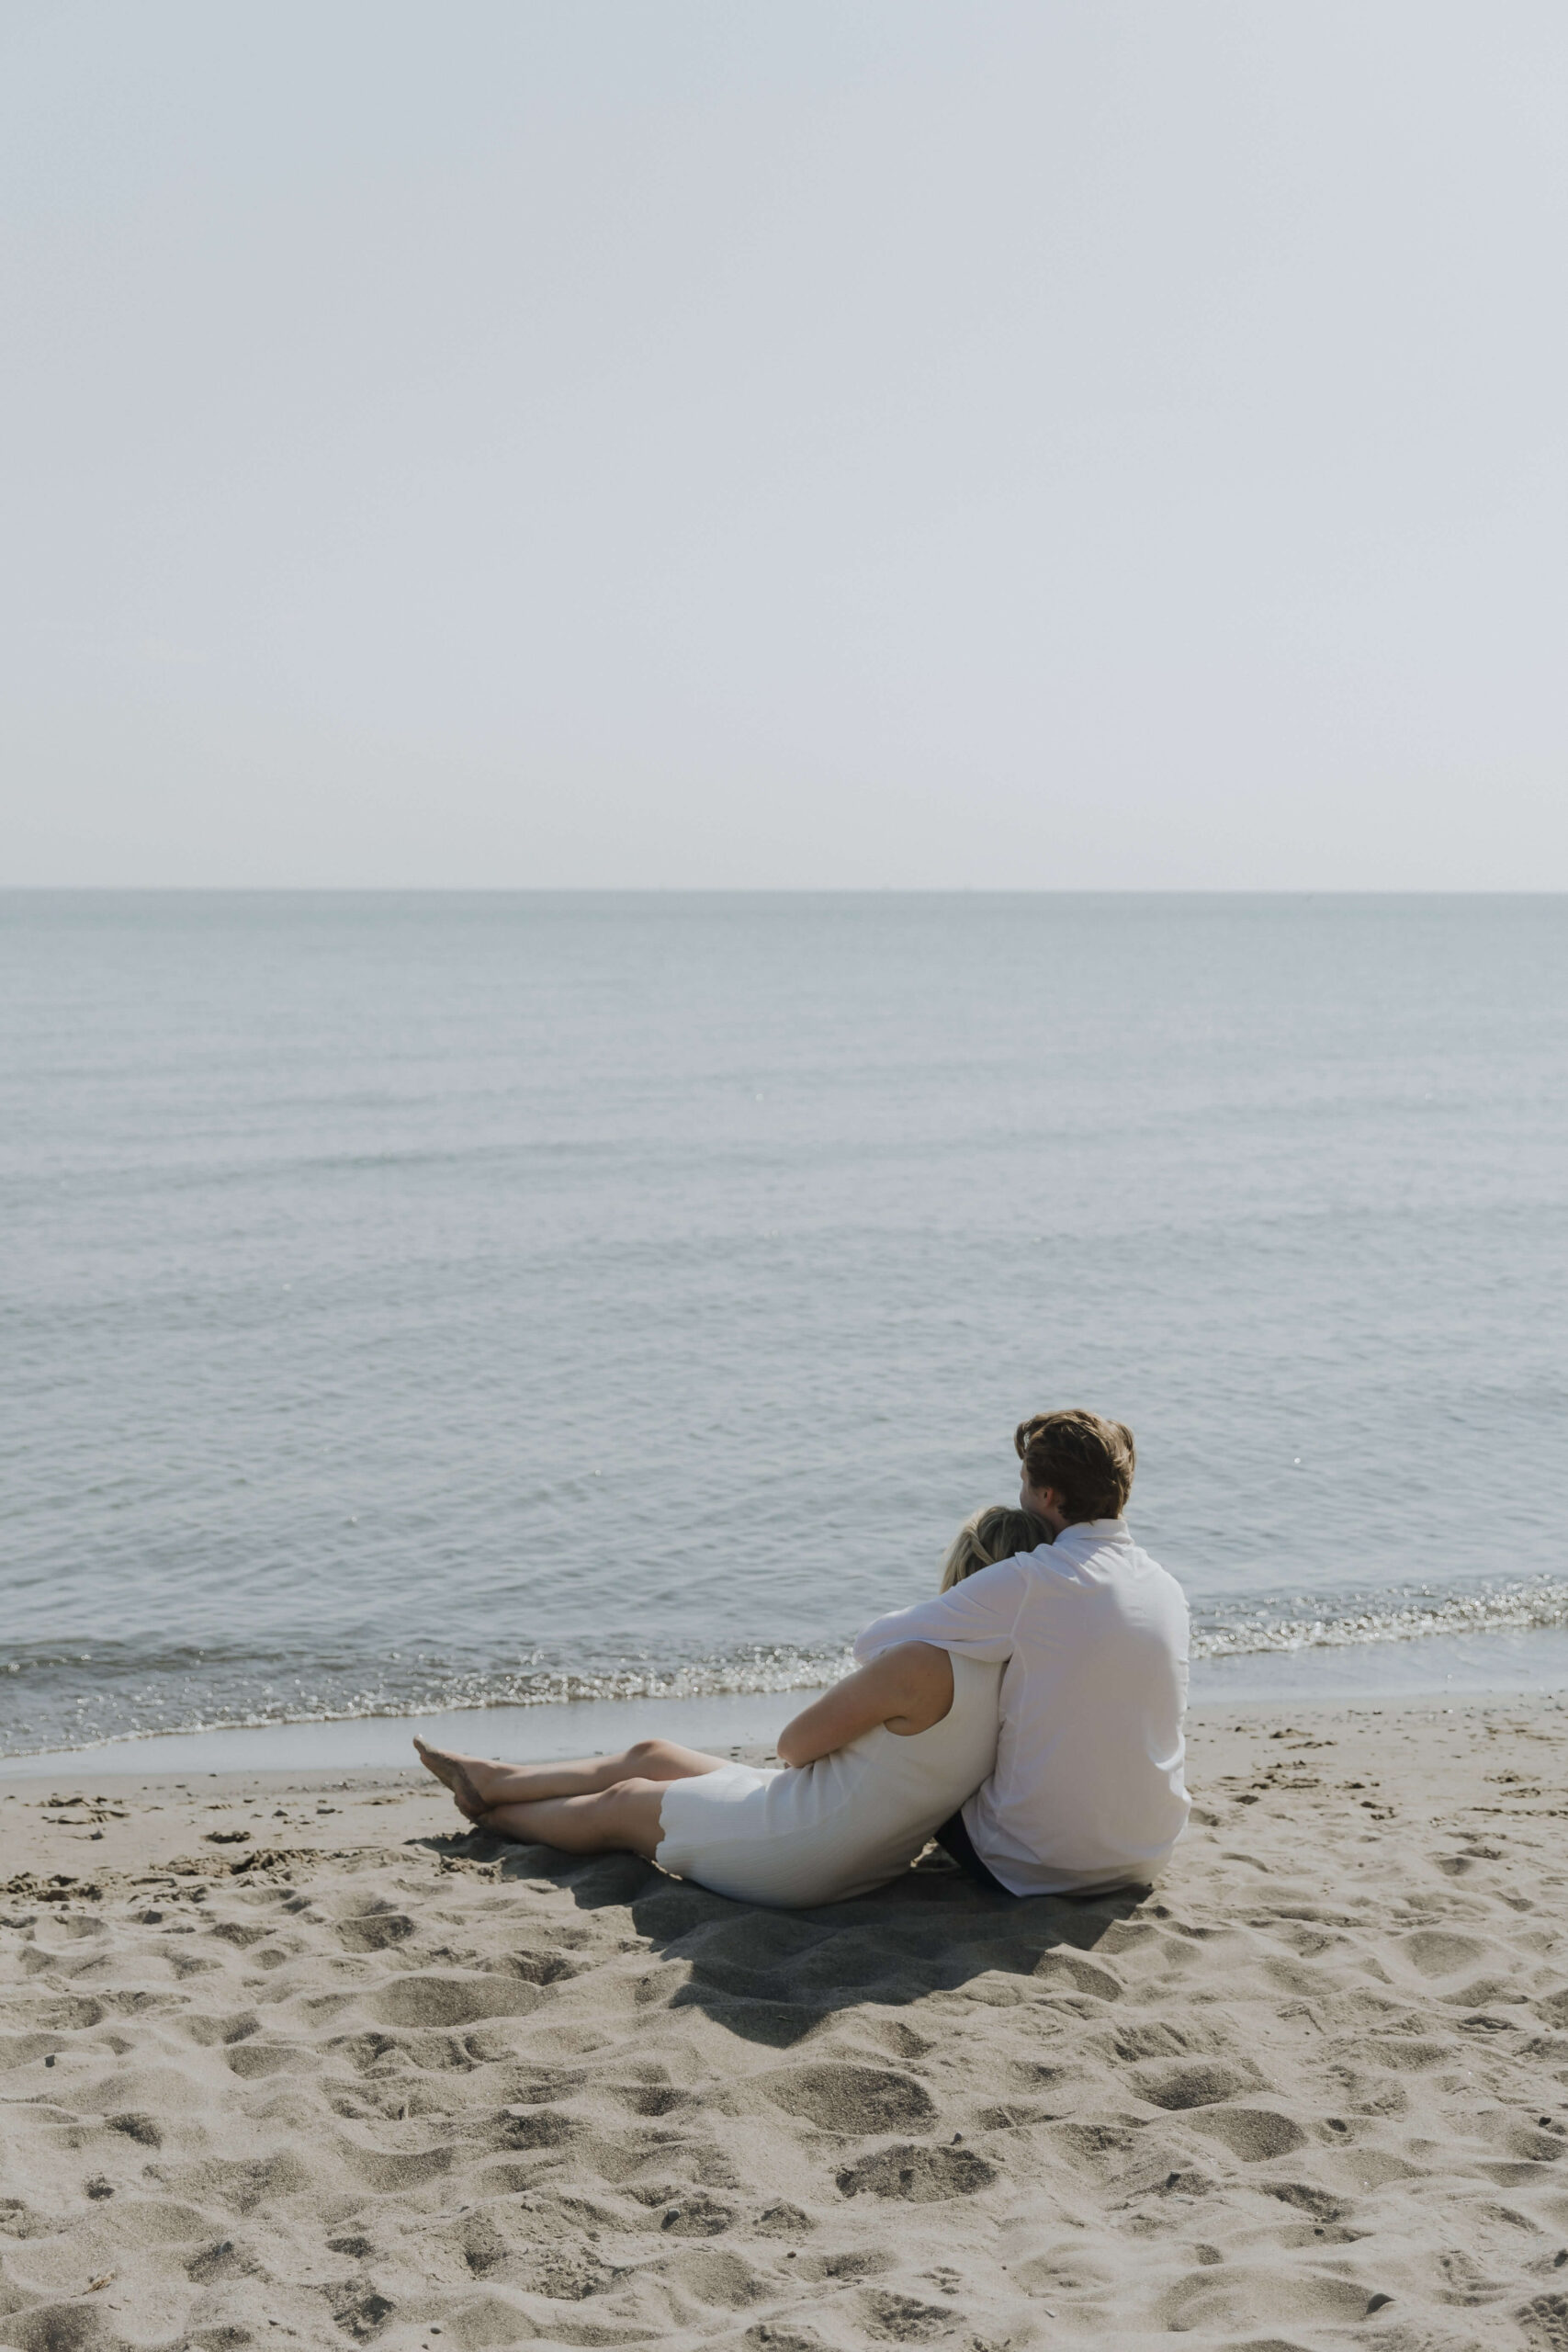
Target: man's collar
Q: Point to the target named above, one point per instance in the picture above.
(1095, 1531)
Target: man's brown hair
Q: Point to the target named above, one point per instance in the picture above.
(1088, 1461)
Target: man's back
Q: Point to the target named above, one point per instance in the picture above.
(1088, 1789)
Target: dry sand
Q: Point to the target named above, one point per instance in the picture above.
(283, 2064)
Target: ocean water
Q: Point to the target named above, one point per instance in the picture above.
(421, 1302)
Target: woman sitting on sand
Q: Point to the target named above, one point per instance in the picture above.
(869, 1770)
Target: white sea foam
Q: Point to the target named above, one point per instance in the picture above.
(1535, 1603)
(153, 1702)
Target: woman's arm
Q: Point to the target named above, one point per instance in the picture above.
(908, 1688)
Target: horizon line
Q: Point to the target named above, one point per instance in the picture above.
(761, 890)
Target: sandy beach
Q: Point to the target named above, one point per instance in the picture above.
(289, 2060)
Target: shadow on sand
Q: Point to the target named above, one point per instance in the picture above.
(774, 1977)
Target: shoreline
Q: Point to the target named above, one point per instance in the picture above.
(1451, 1668)
(79, 1770)
(119, 1759)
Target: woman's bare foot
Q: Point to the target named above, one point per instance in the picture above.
(480, 1787)
(455, 1773)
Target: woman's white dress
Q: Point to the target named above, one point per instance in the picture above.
(850, 1821)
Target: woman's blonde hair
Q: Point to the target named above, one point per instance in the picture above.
(989, 1535)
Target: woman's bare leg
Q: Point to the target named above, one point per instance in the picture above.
(477, 1786)
(625, 1817)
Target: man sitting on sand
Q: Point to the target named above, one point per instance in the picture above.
(1062, 1664)
(1088, 1788)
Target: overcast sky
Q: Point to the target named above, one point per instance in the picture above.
(824, 443)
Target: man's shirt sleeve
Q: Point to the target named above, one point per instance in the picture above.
(977, 1617)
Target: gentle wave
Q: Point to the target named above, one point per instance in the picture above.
(133, 1696)
(1528, 1606)
(82, 1700)
(753, 1672)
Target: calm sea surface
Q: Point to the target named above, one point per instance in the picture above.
(420, 1301)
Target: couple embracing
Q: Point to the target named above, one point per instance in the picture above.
(1028, 1717)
